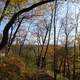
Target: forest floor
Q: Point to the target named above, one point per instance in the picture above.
(14, 68)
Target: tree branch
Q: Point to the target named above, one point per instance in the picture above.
(14, 17)
(5, 7)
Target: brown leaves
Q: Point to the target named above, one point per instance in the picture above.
(14, 2)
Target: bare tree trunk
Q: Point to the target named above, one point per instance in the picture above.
(11, 41)
(74, 56)
(66, 70)
(74, 62)
(55, 74)
(39, 56)
(49, 30)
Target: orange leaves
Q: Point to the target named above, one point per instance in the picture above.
(14, 2)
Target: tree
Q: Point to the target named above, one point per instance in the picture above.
(18, 16)
(14, 17)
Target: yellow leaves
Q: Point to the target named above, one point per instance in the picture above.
(9, 11)
(14, 2)
(12, 6)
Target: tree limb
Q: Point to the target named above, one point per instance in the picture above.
(14, 17)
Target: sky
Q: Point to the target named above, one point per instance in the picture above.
(61, 13)
(2, 24)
